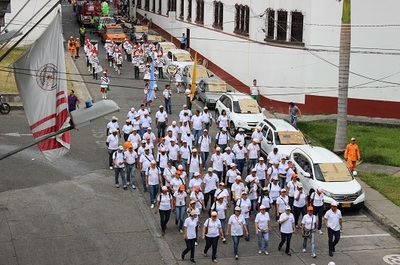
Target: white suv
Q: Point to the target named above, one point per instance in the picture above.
(280, 134)
(243, 111)
(318, 167)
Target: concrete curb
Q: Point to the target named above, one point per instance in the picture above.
(380, 218)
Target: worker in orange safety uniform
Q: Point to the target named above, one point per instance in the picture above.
(352, 154)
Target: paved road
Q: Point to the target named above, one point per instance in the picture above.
(68, 212)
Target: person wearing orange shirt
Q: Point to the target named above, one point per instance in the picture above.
(77, 45)
(352, 154)
(71, 47)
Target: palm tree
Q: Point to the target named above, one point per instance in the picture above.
(344, 62)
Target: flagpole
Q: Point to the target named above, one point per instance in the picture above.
(29, 31)
(13, 152)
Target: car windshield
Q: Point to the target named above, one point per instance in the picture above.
(246, 105)
(332, 172)
(289, 138)
(182, 57)
(216, 87)
(115, 31)
(108, 20)
(201, 72)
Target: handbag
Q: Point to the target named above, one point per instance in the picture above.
(266, 230)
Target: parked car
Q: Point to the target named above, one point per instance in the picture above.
(318, 167)
(142, 34)
(209, 90)
(100, 24)
(179, 58)
(282, 135)
(165, 47)
(243, 111)
(187, 73)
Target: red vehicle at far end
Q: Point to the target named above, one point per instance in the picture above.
(86, 9)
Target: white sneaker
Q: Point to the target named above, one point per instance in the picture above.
(236, 256)
(266, 252)
(127, 183)
(304, 250)
(313, 255)
(195, 243)
(259, 252)
(320, 232)
(152, 206)
(111, 168)
(117, 185)
(133, 186)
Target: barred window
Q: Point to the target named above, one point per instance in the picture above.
(297, 27)
(139, 3)
(181, 9)
(171, 5)
(153, 7)
(282, 25)
(218, 14)
(242, 20)
(146, 5)
(199, 11)
(271, 23)
(189, 16)
(159, 6)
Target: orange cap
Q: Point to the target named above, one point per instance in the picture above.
(310, 208)
(178, 172)
(182, 187)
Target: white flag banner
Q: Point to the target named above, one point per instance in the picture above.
(41, 81)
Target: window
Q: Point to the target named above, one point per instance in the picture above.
(242, 20)
(199, 11)
(218, 15)
(139, 3)
(133, 2)
(282, 26)
(297, 27)
(271, 23)
(278, 30)
(171, 5)
(146, 5)
(153, 7)
(189, 16)
(159, 6)
(182, 7)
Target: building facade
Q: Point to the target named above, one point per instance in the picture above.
(292, 48)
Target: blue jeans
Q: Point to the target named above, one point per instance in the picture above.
(180, 215)
(305, 239)
(130, 173)
(153, 192)
(167, 104)
(222, 226)
(236, 240)
(196, 135)
(184, 163)
(120, 171)
(142, 131)
(240, 164)
(263, 237)
(207, 126)
(143, 175)
(246, 220)
(204, 157)
(252, 163)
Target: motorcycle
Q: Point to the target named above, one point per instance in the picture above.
(4, 106)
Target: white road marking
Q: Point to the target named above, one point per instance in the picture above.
(373, 235)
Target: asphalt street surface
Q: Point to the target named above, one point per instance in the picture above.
(69, 212)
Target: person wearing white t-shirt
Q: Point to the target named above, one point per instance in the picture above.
(175, 129)
(176, 181)
(153, 181)
(274, 190)
(237, 189)
(273, 156)
(300, 203)
(144, 163)
(282, 201)
(257, 135)
(184, 153)
(217, 163)
(222, 139)
(333, 222)
(204, 145)
(210, 183)
(241, 136)
(262, 227)
(212, 229)
(164, 205)
(240, 155)
(134, 138)
(229, 158)
(168, 174)
(127, 129)
(161, 121)
(261, 171)
(183, 129)
(253, 153)
(112, 145)
(231, 175)
(197, 196)
(254, 90)
(286, 221)
(190, 234)
(220, 206)
(196, 181)
(194, 164)
(317, 201)
(170, 137)
(206, 118)
(245, 205)
(119, 166)
(173, 150)
(282, 170)
(196, 125)
(131, 159)
(290, 171)
(292, 187)
(146, 122)
(223, 120)
(180, 206)
(308, 226)
(237, 228)
(273, 172)
(189, 138)
(265, 199)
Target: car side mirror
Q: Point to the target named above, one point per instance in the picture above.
(229, 90)
(262, 109)
(308, 142)
(269, 142)
(211, 75)
(307, 175)
(354, 173)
